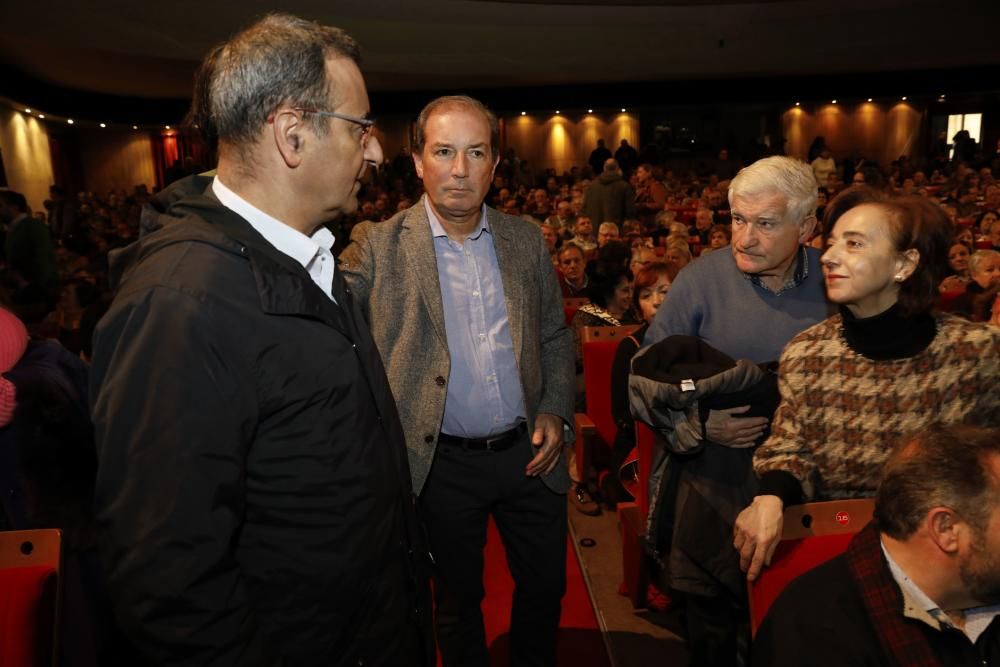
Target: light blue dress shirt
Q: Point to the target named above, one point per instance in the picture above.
(484, 387)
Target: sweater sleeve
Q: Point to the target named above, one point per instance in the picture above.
(785, 460)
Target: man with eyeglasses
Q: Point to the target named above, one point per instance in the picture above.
(254, 502)
(466, 310)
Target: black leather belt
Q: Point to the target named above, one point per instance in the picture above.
(496, 443)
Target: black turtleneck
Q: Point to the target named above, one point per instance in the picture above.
(888, 335)
(881, 337)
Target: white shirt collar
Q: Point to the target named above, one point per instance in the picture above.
(977, 619)
(303, 249)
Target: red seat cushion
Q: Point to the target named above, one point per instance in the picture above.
(792, 558)
(27, 606)
(598, 356)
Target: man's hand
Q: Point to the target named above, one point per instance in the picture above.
(725, 429)
(548, 439)
(756, 534)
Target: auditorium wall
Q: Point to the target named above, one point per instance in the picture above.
(561, 141)
(27, 160)
(879, 131)
(114, 159)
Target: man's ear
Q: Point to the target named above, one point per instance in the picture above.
(289, 132)
(418, 163)
(943, 528)
(806, 229)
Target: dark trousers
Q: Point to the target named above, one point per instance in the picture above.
(463, 489)
(718, 631)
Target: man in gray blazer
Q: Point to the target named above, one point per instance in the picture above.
(467, 314)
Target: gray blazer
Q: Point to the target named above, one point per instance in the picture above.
(392, 270)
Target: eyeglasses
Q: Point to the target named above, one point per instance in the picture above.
(367, 124)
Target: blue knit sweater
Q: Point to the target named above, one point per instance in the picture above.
(712, 299)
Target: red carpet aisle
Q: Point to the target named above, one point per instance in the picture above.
(580, 641)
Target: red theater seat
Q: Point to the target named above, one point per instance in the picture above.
(29, 597)
(571, 305)
(811, 535)
(599, 346)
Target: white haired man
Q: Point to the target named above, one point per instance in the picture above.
(747, 303)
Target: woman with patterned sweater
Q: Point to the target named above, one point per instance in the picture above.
(884, 366)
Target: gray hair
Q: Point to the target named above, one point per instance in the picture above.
(608, 224)
(611, 166)
(279, 60)
(979, 258)
(456, 101)
(792, 178)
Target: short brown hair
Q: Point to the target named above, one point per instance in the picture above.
(456, 101)
(914, 223)
(939, 466)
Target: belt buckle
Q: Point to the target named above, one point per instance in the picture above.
(490, 441)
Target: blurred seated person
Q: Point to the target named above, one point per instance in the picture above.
(642, 256)
(719, 237)
(610, 305)
(884, 366)
(649, 289)
(984, 221)
(562, 219)
(984, 274)
(958, 263)
(677, 253)
(573, 279)
(993, 235)
(583, 234)
(552, 242)
(822, 198)
(608, 231)
(920, 584)
(703, 222)
(538, 205)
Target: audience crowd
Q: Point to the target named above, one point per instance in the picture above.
(619, 233)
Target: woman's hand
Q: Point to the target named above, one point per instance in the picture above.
(756, 534)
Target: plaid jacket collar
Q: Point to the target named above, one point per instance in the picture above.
(902, 642)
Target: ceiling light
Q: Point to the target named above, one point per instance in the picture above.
(27, 111)
(135, 127)
(869, 99)
(903, 98)
(524, 113)
(798, 104)
(69, 120)
(167, 126)
(557, 111)
(103, 125)
(42, 116)
(590, 111)
(833, 101)
(623, 109)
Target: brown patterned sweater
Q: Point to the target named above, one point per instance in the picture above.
(841, 412)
